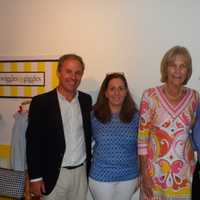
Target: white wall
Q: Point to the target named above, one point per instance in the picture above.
(128, 36)
(111, 35)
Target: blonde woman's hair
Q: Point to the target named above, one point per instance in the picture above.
(170, 56)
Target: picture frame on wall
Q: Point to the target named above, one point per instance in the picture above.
(27, 78)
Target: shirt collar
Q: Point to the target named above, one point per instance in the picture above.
(60, 96)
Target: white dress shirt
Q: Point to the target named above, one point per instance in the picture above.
(75, 152)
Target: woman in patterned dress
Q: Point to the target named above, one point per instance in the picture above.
(167, 113)
(114, 167)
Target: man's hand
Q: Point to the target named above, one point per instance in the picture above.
(37, 188)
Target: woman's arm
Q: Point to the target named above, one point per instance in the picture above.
(143, 139)
(196, 132)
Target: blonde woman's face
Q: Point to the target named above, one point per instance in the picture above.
(177, 71)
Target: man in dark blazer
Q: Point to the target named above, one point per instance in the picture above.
(59, 136)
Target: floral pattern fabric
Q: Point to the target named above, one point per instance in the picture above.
(164, 137)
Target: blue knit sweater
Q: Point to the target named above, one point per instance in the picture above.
(115, 150)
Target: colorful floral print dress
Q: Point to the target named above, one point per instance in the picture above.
(164, 136)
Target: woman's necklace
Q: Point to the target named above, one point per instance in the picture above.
(172, 97)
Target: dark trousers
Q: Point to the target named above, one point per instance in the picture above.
(196, 182)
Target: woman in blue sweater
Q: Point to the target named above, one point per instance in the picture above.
(196, 141)
(114, 168)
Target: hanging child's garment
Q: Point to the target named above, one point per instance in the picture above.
(18, 141)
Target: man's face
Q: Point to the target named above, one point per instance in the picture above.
(70, 75)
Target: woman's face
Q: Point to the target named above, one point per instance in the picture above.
(177, 71)
(116, 93)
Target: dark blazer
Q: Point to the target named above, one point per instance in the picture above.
(45, 136)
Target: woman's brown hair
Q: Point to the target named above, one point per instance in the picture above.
(102, 110)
